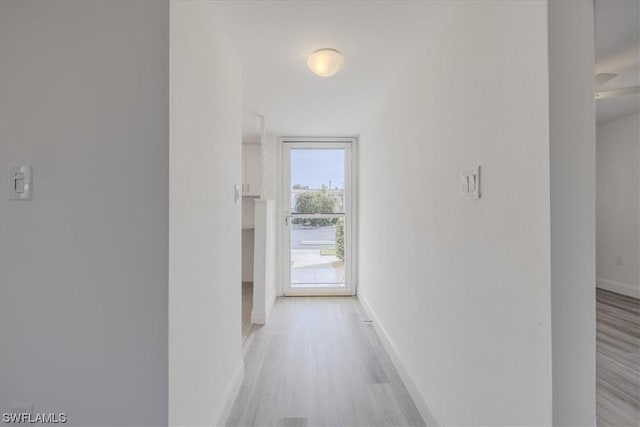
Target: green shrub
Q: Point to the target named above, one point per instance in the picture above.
(316, 202)
(340, 239)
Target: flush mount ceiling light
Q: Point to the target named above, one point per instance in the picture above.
(325, 62)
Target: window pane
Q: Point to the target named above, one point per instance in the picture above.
(317, 180)
(317, 252)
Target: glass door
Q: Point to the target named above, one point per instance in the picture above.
(318, 222)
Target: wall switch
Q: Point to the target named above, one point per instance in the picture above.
(618, 260)
(470, 184)
(236, 190)
(20, 182)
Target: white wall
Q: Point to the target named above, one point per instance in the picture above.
(205, 364)
(83, 266)
(462, 288)
(572, 153)
(618, 213)
(248, 238)
(272, 183)
(264, 277)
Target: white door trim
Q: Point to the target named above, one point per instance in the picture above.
(350, 145)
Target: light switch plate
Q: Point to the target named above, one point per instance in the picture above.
(470, 184)
(20, 182)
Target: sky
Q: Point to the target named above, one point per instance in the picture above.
(315, 167)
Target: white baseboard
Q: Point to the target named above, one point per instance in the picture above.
(426, 412)
(230, 396)
(268, 309)
(259, 317)
(618, 287)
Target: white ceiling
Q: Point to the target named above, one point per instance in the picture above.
(618, 51)
(274, 38)
(377, 38)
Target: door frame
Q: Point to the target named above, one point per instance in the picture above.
(350, 145)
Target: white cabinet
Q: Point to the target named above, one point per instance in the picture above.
(252, 170)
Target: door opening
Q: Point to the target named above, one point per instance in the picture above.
(318, 217)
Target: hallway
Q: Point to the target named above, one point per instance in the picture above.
(439, 157)
(319, 362)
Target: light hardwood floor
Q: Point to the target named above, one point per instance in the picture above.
(318, 362)
(618, 360)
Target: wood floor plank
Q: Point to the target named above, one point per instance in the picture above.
(318, 363)
(617, 360)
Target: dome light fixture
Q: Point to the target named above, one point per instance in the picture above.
(325, 62)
